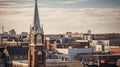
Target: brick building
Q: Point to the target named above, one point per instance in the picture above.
(36, 54)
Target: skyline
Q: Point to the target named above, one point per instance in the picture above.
(59, 16)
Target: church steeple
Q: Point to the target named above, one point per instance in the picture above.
(37, 33)
(36, 21)
(36, 54)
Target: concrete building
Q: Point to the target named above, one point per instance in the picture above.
(12, 33)
(106, 45)
(82, 44)
(74, 51)
(101, 45)
(74, 35)
(24, 35)
(11, 39)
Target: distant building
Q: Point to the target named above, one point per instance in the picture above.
(3, 38)
(74, 35)
(12, 33)
(24, 35)
(82, 44)
(89, 32)
(115, 46)
(101, 45)
(5, 34)
(107, 36)
(11, 39)
(3, 41)
(106, 45)
(100, 60)
(87, 36)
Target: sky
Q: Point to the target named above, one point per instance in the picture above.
(61, 16)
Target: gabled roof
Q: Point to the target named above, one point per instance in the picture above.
(18, 50)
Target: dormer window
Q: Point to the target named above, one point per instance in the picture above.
(39, 39)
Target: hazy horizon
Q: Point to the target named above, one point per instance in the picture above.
(61, 16)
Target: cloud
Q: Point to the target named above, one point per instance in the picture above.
(4, 4)
(19, 15)
(58, 20)
(81, 19)
(74, 1)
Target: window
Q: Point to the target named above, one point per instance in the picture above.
(39, 56)
(39, 39)
(1, 57)
(16, 57)
(25, 57)
(20, 57)
(30, 55)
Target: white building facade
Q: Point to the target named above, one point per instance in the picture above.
(101, 45)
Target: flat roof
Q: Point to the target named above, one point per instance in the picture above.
(107, 55)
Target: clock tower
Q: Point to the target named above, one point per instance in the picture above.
(36, 54)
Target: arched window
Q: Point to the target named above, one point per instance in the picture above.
(39, 39)
(31, 55)
(39, 56)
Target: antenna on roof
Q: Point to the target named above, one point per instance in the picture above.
(2, 29)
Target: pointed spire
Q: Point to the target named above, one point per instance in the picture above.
(36, 22)
(42, 28)
(30, 33)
